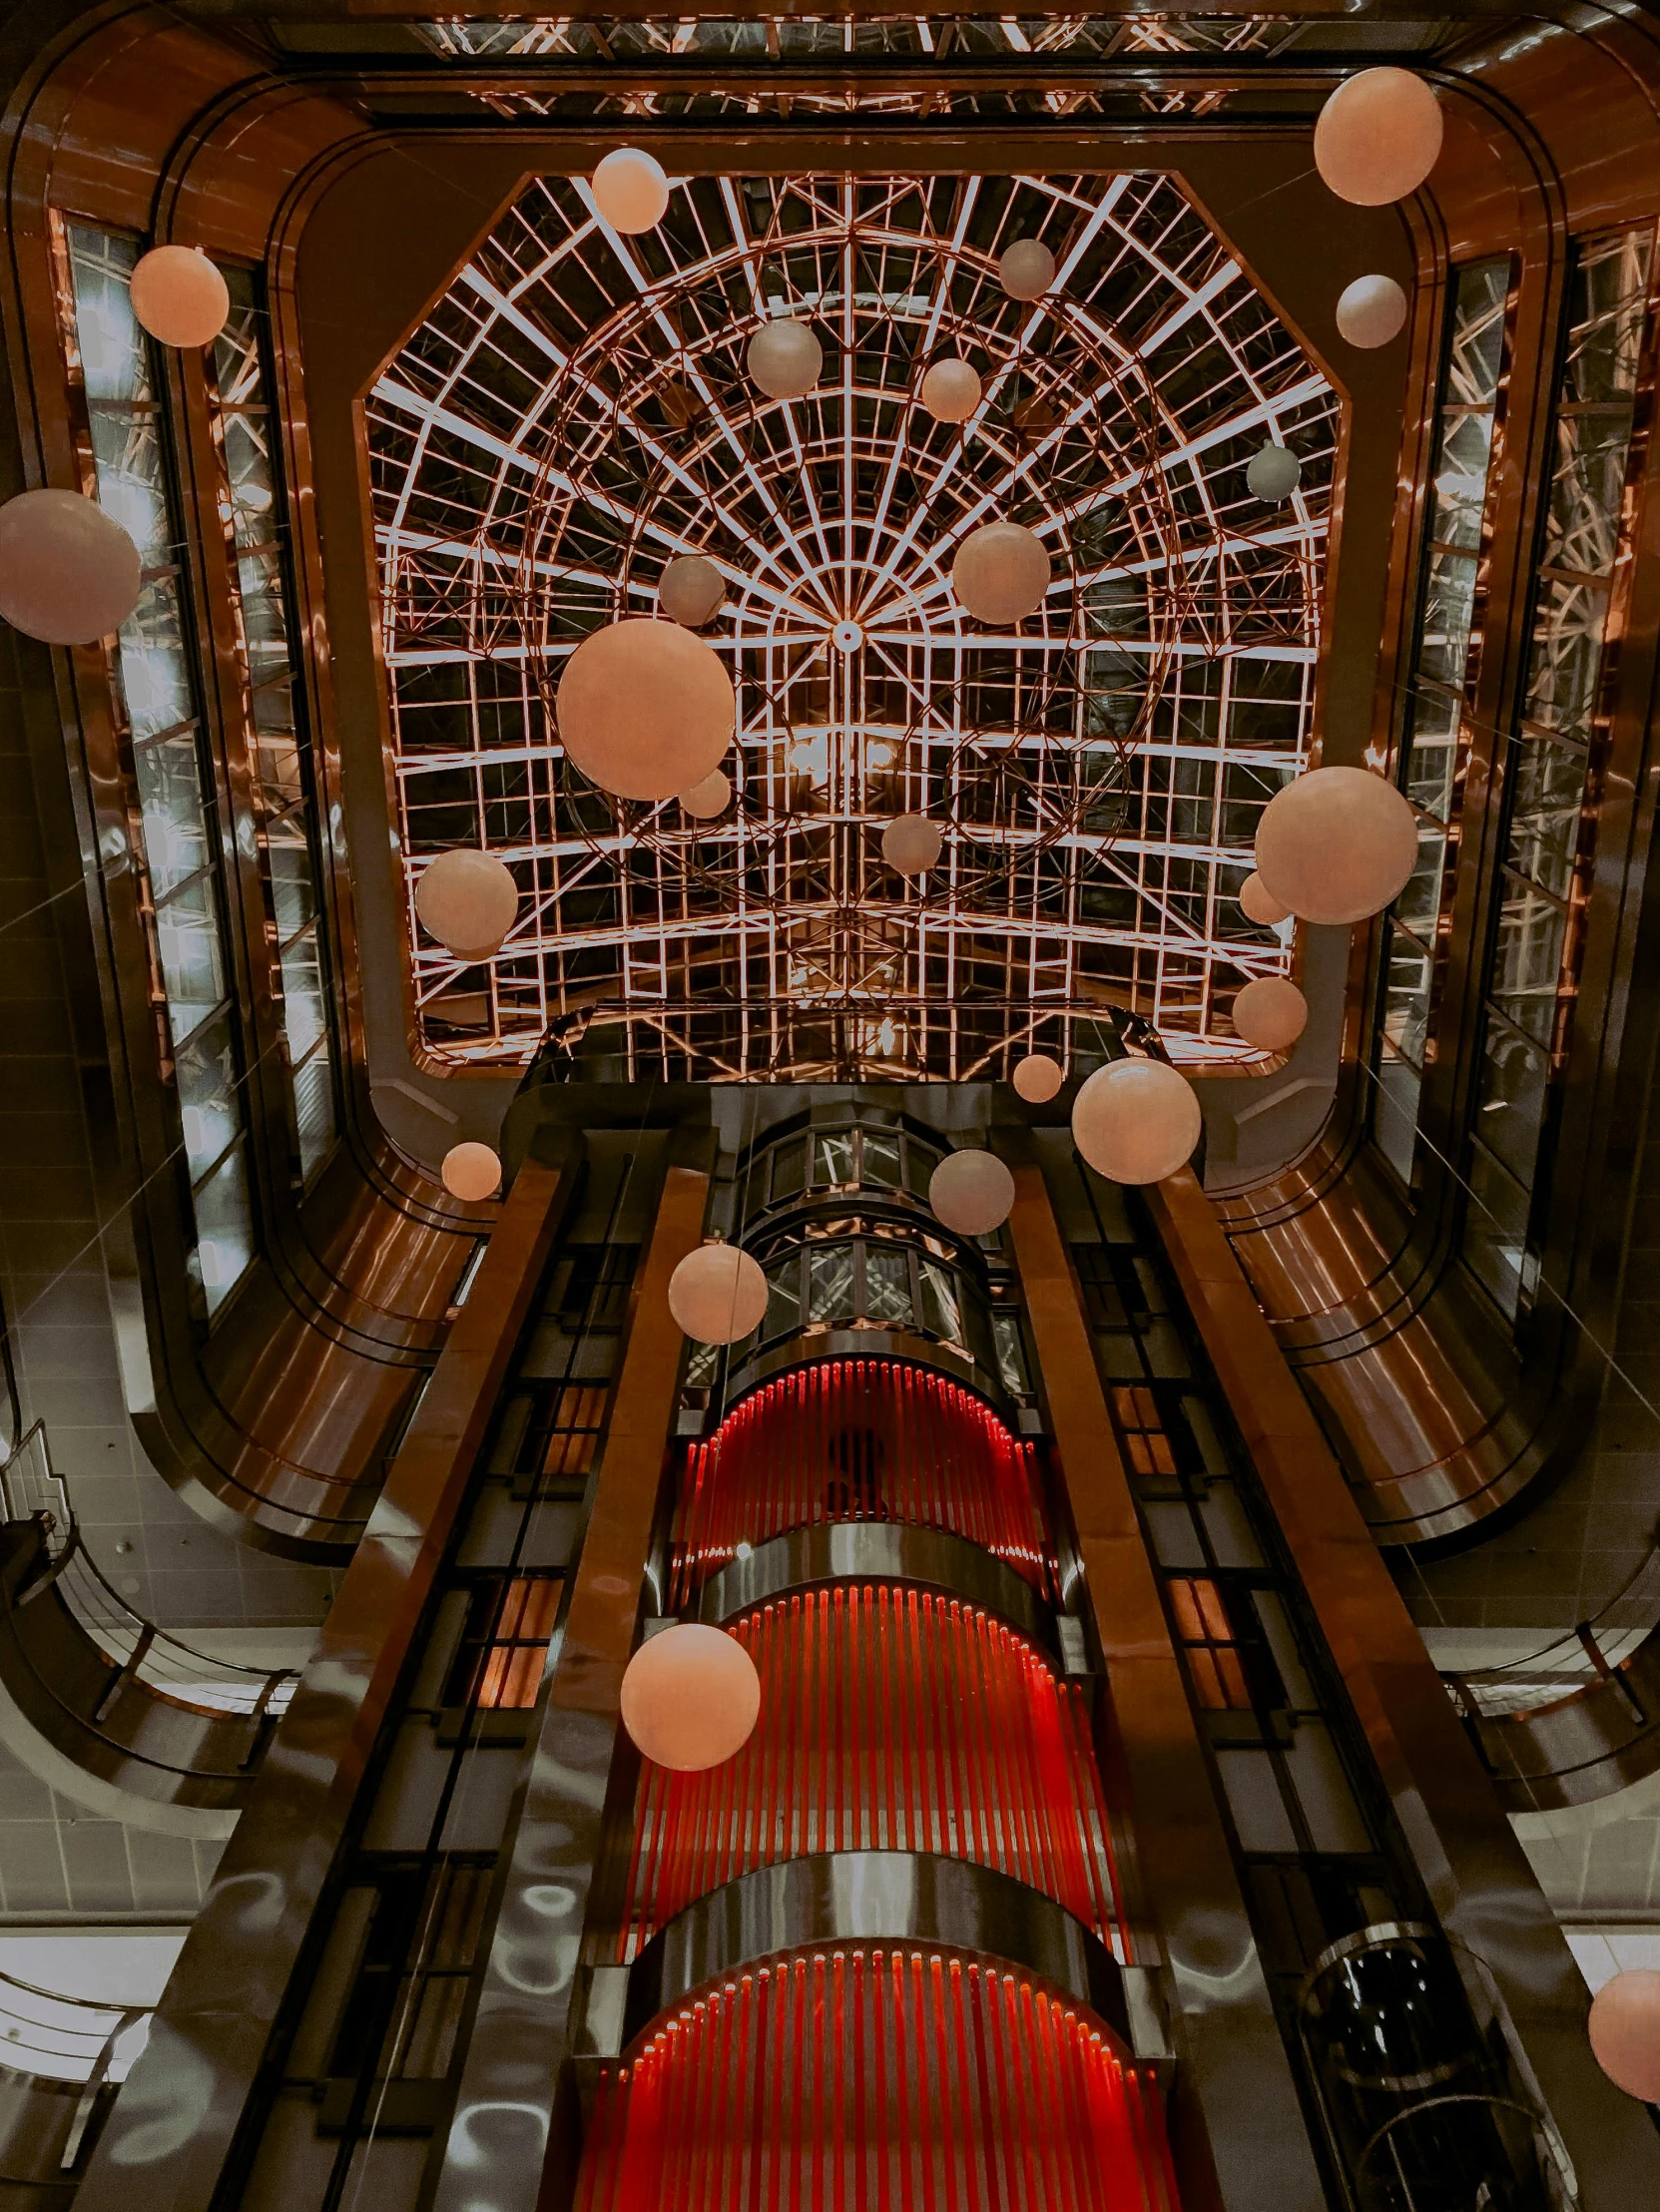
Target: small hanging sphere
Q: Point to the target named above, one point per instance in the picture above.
(1379, 137)
(179, 297)
(69, 574)
(1271, 1013)
(471, 1171)
(1274, 472)
(718, 1294)
(911, 843)
(645, 709)
(1625, 2033)
(710, 797)
(631, 190)
(1002, 572)
(1370, 311)
(1037, 1078)
(951, 390)
(1258, 905)
(468, 900)
(689, 590)
(1026, 270)
(691, 1696)
(785, 359)
(1137, 1121)
(1336, 844)
(972, 1192)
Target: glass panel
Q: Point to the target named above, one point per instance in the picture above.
(1012, 1352)
(789, 1170)
(1496, 1230)
(1407, 995)
(1419, 904)
(829, 1283)
(193, 970)
(225, 1229)
(784, 1297)
(835, 1159)
(1395, 1111)
(292, 893)
(1566, 655)
(941, 1306)
(169, 776)
(1448, 611)
(314, 1105)
(304, 1006)
(1528, 957)
(881, 1160)
(1431, 761)
(920, 1162)
(1544, 820)
(887, 1285)
(1510, 1098)
(208, 1094)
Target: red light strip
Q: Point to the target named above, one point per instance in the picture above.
(857, 1440)
(890, 1720)
(876, 2080)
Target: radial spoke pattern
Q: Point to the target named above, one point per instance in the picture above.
(576, 413)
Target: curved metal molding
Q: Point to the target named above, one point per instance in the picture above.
(877, 1897)
(879, 1552)
(817, 1342)
(1579, 1748)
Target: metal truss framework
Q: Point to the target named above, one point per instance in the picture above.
(575, 412)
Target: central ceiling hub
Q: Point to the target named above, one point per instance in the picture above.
(846, 636)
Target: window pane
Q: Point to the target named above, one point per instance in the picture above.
(169, 776)
(1431, 761)
(789, 1170)
(1510, 1099)
(225, 1229)
(1448, 610)
(886, 1286)
(303, 1009)
(1395, 1111)
(208, 1094)
(314, 1105)
(1544, 822)
(784, 1297)
(187, 936)
(829, 1283)
(1527, 960)
(881, 1161)
(942, 1308)
(835, 1158)
(1496, 1230)
(1419, 904)
(1406, 995)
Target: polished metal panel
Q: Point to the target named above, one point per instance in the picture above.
(874, 1896)
(879, 1551)
(514, 2108)
(1222, 2025)
(1477, 1874)
(177, 2118)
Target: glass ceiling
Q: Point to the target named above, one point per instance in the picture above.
(575, 412)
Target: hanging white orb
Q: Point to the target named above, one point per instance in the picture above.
(1336, 844)
(1259, 905)
(785, 359)
(1370, 311)
(179, 297)
(1273, 473)
(691, 1696)
(1002, 572)
(645, 709)
(689, 590)
(1037, 1078)
(471, 1171)
(1271, 1013)
(710, 797)
(468, 900)
(972, 1192)
(951, 390)
(911, 843)
(1137, 1121)
(1625, 2033)
(631, 190)
(1026, 270)
(718, 1294)
(1379, 137)
(69, 575)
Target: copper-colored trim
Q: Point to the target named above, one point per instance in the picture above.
(1223, 2023)
(1477, 1873)
(216, 2019)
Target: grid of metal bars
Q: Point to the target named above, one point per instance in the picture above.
(575, 412)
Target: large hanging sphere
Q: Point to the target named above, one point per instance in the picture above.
(1026, 270)
(710, 797)
(691, 1696)
(1258, 903)
(951, 390)
(1379, 137)
(630, 190)
(1136, 1121)
(1271, 1013)
(646, 708)
(1002, 572)
(1037, 1078)
(468, 900)
(1336, 844)
(471, 1171)
(972, 1192)
(1370, 311)
(689, 590)
(911, 843)
(69, 575)
(785, 359)
(1625, 2033)
(179, 295)
(718, 1294)
(1273, 473)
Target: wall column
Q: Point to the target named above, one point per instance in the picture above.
(1232, 2060)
